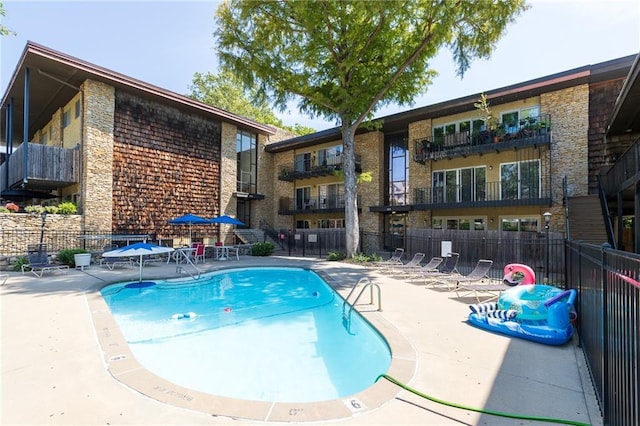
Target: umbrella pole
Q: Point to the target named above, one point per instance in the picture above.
(140, 279)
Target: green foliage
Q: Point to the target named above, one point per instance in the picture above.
(4, 31)
(335, 255)
(3, 209)
(52, 209)
(226, 91)
(16, 265)
(34, 209)
(66, 256)
(344, 60)
(66, 208)
(262, 249)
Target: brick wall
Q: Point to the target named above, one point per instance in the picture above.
(166, 163)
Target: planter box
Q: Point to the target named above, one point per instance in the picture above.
(81, 260)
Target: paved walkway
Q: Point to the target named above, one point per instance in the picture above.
(53, 368)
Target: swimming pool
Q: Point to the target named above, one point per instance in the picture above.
(264, 334)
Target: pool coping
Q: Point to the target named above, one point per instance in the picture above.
(123, 366)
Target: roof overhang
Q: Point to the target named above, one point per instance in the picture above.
(625, 117)
(55, 78)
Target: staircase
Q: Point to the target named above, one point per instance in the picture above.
(249, 235)
(586, 222)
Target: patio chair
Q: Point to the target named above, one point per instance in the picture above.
(112, 262)
(405, 268)
(198, 255)
(395, 259)
(39, 262)
(448, 269)
(431, 266)
(478, 282)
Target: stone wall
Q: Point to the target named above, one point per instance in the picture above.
(370, 146)
(18, 230)
(97, 157)
(569, 109)
(165, 162)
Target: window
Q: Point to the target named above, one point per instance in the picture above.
(520, 180)
(303, 195)
(247, 161)
(77, 107)
(398, 171)
(331, 223)
(461, 223)
(331, 196)
(66, 118)
(510, 121)
(459, 185)
(330, 156)
(303, 162)
(519, 224)
(302, 224)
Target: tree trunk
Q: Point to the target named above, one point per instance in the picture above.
(352, 222)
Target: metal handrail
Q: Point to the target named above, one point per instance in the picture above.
(346, 316)
(188, 260)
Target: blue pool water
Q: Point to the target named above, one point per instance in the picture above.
(267, 334)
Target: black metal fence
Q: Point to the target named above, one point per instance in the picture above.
(608, 307)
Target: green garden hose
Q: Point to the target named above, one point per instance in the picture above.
(478, 410)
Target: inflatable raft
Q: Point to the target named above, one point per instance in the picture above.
(536, 312)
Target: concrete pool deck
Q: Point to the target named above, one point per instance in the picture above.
(61, 363)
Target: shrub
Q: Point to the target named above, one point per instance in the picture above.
(67, 208)
(66, 256)
(262, 249)
(16, 265)
(4, 210)
(51, 209)
(334, 255)
(34, 209)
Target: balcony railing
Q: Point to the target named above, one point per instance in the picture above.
(329, 204)
(526, 132)
(624, 173)
(309, 168)
(47, 167)
(491, 194)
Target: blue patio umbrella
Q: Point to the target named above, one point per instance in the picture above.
(137, 249)
(225, 219)
(189, 219)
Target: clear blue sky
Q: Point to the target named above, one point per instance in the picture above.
(164, 43)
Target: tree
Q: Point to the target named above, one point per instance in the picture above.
(344, 60)
(4, 30)
(226, 91)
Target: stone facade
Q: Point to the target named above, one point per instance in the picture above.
(97, 157)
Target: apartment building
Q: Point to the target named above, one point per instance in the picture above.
(131, 155)
(498, 160)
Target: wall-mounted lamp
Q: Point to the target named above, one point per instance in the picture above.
(490, 167)
(490, 220)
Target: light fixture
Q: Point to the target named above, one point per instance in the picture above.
(547, 218)
(490, 167)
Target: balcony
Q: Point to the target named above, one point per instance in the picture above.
(491, 194)
(329, 204)
(310, 168)
(46, 168)
(532, 131)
